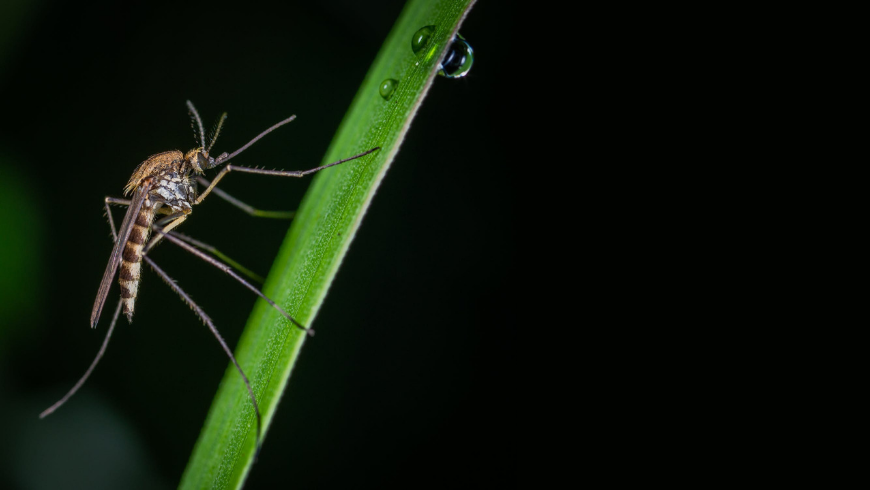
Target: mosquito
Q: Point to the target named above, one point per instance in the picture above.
(166, 184)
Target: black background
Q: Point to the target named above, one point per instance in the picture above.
(411, 379)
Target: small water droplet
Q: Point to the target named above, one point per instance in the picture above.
(458, 60)
(387, 88)
(421, 38)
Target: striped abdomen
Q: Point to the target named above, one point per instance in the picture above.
(131, 257)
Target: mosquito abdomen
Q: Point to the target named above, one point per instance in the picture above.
(131, 257)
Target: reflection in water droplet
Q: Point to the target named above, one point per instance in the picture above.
(421, 38)
(388, 86)
(458, 60)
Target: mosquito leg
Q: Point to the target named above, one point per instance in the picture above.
(48, 411)
(205, 318)
(279, 173)
(118, 201)
(173, 220)
(102, 350)
(113, 200)
(199, 312)
(220, 255)
(232, 273)
(259, 213)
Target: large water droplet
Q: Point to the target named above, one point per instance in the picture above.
(458, 60)
(421, 38)
(387, 88)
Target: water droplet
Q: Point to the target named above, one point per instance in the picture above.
(388, 86)
(421, 38)
(458, 60)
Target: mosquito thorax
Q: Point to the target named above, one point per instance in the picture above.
(199, 159)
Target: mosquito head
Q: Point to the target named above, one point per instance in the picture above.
(199, 159)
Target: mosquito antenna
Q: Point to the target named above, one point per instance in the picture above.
(216, 131)
(48, 411)
(224, 157)
(194, 116)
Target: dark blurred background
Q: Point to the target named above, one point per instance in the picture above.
(411, 379)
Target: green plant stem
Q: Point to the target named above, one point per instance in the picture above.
(321, 232)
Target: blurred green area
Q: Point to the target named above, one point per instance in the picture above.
(387, 388)
(22, 224)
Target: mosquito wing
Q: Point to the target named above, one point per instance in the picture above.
(112, 267)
